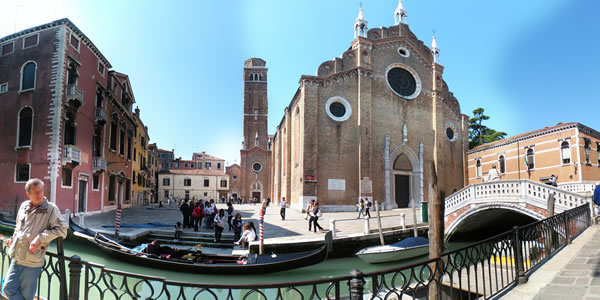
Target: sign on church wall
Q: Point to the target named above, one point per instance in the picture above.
(336, 184)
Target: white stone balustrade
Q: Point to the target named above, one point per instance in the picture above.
(519, 192)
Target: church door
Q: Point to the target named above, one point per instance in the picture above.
(402, 181)
(402, 190)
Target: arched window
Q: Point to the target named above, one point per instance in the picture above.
(530, 159)
(478, 168)
(69, 131)
(122, 139)
(502, 164)
(25, 127)
(565, 151)
(28, 76)
(113, 133)
(586, 149)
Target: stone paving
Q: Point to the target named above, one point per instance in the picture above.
(294, 226)
(580, 278)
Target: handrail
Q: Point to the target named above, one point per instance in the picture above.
(529, 246)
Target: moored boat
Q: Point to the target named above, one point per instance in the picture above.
(195, 261)
(404, 249)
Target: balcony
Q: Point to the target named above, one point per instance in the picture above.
(100, 116)
(144, 170)
(74, 96)
(99, 164)
(72, 155)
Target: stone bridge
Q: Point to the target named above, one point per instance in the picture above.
(508, 203)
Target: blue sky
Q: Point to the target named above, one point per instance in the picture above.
(530, 64)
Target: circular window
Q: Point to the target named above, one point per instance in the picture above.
(256, 167)
(403, 81)
(235, 177)
(450, 131)
(403, 52)
(338, 108)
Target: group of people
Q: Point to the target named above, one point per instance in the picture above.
(364, 205)
(198, 214)
(313, 213)
(207, 215)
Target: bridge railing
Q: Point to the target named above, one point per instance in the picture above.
(514, 191)
(484, 269)
(585, 187)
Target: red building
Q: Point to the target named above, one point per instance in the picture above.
(56, 98)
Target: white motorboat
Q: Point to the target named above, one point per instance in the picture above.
(404, 249)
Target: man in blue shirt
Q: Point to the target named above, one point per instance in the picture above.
(597, 195)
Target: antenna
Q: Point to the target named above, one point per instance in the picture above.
(360, 4)
(17, 14)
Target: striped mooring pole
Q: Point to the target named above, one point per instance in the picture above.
(261, 230)
(118, 220)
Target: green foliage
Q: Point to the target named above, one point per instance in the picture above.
(480, 134)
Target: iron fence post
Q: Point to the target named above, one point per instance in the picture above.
(74, 277)
(567, 231)
(60, 250)
(356, 284)
(521, 278)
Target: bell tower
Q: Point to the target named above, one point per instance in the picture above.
(255, 104)
(255, 155)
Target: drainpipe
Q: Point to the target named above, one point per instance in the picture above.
(519, 159)
(578, 154)
(386, 159)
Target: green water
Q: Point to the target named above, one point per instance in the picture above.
(329, 268)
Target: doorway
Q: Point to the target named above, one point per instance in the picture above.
(403, 170)
(81, 207)
(402, 190)
(256, 195)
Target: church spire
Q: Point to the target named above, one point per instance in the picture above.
(435, 50)
(400, 14)
(360, 25)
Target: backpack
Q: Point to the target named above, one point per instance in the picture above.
(369, 204)
(196, 213)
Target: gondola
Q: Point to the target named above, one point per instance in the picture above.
(196, 262)
(7, 225)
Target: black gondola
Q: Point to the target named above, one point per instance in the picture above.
(203, 263)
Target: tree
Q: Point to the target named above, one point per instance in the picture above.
(480, 134)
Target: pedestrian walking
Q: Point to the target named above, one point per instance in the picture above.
(178, 229)
(219, 225)
(184, 208)
(170, 201)
(207, 214)
(361, 207)
(314, 215)
(264, 205)
(214, 213)
(197, 215)
(38, 223)
(237, 227)
(367, 208)
(553, 180)
(282, 210)
(229, 214)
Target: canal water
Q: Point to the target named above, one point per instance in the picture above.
(329, 268)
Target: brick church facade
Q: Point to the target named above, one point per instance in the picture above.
(379, 122)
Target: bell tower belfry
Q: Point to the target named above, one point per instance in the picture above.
(255, 155)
